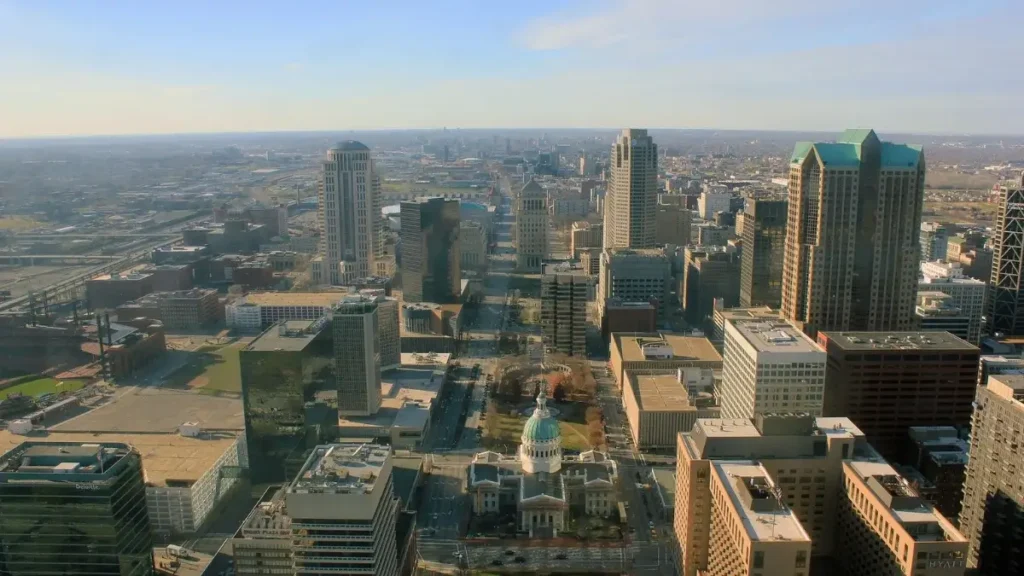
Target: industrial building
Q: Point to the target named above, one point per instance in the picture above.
(108, 291)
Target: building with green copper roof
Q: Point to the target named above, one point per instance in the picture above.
(853, 245)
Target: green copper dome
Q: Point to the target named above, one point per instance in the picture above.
(541, 427)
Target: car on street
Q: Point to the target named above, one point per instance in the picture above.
(520, 560)
(496, 562)
(561, 556)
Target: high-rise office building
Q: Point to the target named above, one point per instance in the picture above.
(357, 355)
(764, 249)
(934, 239)
(770, 366)
(282, 370)
(1006, 287)
(823, 481)
(712, 200)
(531, 231)
(993, 507)
(584, 236)
(966, 293)
(349, 211)
(563, 309)
(630, 204)
(431, 262)
(887, 382)
(635, 276)
(709, 273)
(672, 225)
(74, 508)
(388, 330)
(852, 247)
(343, 510)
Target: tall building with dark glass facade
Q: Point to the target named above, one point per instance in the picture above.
(764, 249)
(357, 355)
(74, 508)
(431, 258)
(289, 396)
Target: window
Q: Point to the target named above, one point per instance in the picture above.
(758, 559)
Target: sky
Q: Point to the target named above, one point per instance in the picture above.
(87, 67)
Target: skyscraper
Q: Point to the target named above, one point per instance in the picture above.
(934, 241)
(563, 312)
(993, 506)
(853, 234)
(1006, 292)
(967, 294)
(672, 225)
(431, 260)
(631, 202)
(74, 508)
(764, 249)
(283, 369)
(357, 355)
(531, 231)
(349, 211)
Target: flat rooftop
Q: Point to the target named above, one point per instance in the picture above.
(341, 469)
(898, 341)
(901, 500)
(752, 313)
(641, 347)
(167, 459)
(287, 336)
(325, 299)
(764, 517)
(407, 395)
(268, 519)
(660, 392)
(158, 410)
(32, 460)
(777, 337)
(1007, 386)
(665, 484)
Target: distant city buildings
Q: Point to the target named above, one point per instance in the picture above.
(764, 249)
(349, 211)
(630, 207)
(531, 231)
(672, 225)
(431, 263)
(966, 293)
(993, 506)
(585, 236)
(1006, 299)
(712, 201)
(770, 367)
(852, 247)
(934, 239)
(709, 273)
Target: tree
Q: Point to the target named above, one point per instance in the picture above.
(593, 414)
(558, 392)
(595, 434)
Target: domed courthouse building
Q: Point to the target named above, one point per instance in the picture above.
(543, 485)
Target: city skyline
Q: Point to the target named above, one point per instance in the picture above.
(735, 65)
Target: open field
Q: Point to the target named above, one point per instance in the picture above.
(978, 213)
(42, 386)
(17, 223)
(212, 370)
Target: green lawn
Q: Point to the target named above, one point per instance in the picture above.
(42, 386)
(214, 369)
(574, 434)
(224, 374)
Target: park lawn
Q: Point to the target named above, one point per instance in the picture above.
(42, 386)
(224, 374)
(574, 434)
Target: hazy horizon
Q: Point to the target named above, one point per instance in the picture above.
(929, 67)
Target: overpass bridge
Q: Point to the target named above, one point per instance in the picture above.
(51, 259)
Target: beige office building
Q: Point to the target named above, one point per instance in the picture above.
(851, 256)
(993, 493)
(630, 204)
(349, 213)
(861, 516)
(770, 366)
(660, 406)
(752, 531)
(585, 236)
(635, 276)
(659, 353)
(531, 238)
